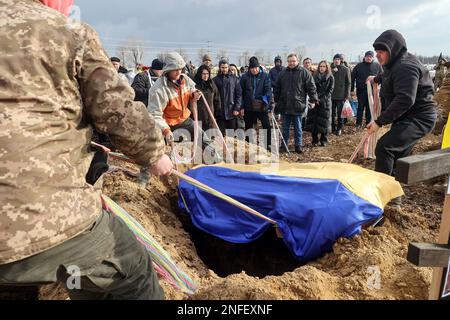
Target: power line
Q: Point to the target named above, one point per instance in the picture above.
(178, 43)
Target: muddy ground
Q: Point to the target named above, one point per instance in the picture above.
(265, 269)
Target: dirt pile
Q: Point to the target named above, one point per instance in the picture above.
(370, 266)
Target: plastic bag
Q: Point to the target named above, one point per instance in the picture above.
(347, 111)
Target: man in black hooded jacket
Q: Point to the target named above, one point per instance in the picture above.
(408, 91)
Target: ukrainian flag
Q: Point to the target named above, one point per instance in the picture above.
(313, 204)
(446, 138)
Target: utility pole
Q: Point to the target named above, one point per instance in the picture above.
(209, 46)
(285, 48)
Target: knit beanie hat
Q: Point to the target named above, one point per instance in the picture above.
(157, 64)
(173, 62)
(253, 63)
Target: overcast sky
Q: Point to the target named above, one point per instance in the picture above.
(275, 26)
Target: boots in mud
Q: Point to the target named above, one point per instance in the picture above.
(396, 203)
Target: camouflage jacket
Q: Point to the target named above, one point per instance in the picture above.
(56, 83)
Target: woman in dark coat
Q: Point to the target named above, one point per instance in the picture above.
(319, 118)
(212, 95)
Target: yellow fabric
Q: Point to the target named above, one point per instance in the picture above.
(446, 139)
(377, 188)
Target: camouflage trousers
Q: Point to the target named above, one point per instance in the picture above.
(106, 262)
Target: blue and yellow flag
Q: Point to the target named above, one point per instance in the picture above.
(446, 138)
(313, 204)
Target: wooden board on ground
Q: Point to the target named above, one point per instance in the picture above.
(423, 167)
(429, 255)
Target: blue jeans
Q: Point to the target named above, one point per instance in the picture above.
(298, 132)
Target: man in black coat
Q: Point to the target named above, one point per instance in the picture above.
(256, 98)
(290, 91)
(231, 98)
(360, 74)
(145, 80)
(408, 92)
(342, 85)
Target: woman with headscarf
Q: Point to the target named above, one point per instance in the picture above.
(234, 70)
(209, 89)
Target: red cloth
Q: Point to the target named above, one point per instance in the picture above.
(62, 6)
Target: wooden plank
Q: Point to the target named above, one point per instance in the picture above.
(423, 167)
(429, 255)
(444, 238)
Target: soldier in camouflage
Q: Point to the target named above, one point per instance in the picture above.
(57, 83)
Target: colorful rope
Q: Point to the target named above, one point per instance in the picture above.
(162, 261)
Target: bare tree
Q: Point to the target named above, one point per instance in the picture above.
(260, 54)
(136, 51)
(162, 55)
(123, 53)
(183, 54)
(285, 52)
(221, 53)
(301, 52)
(243, 59)
(201, 54)
(269, 59)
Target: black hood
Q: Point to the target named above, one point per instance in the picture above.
(393, 42)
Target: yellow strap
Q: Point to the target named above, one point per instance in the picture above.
(446, 138)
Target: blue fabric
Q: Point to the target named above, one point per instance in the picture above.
(311, 213)
(298, 131)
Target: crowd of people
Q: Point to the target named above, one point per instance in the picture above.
(305, 96)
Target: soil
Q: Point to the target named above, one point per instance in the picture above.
(265, 269)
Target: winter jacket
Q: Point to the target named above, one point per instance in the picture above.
(48, 107)
(256, 88)
(212, 96)
(169, 102)
(274, 73)
(142, 84)
(361, 72)
(319, 118)
(407, 88)
(342, 82)
(230, 95)
(291, 89)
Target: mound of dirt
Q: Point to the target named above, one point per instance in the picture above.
(373, 265)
